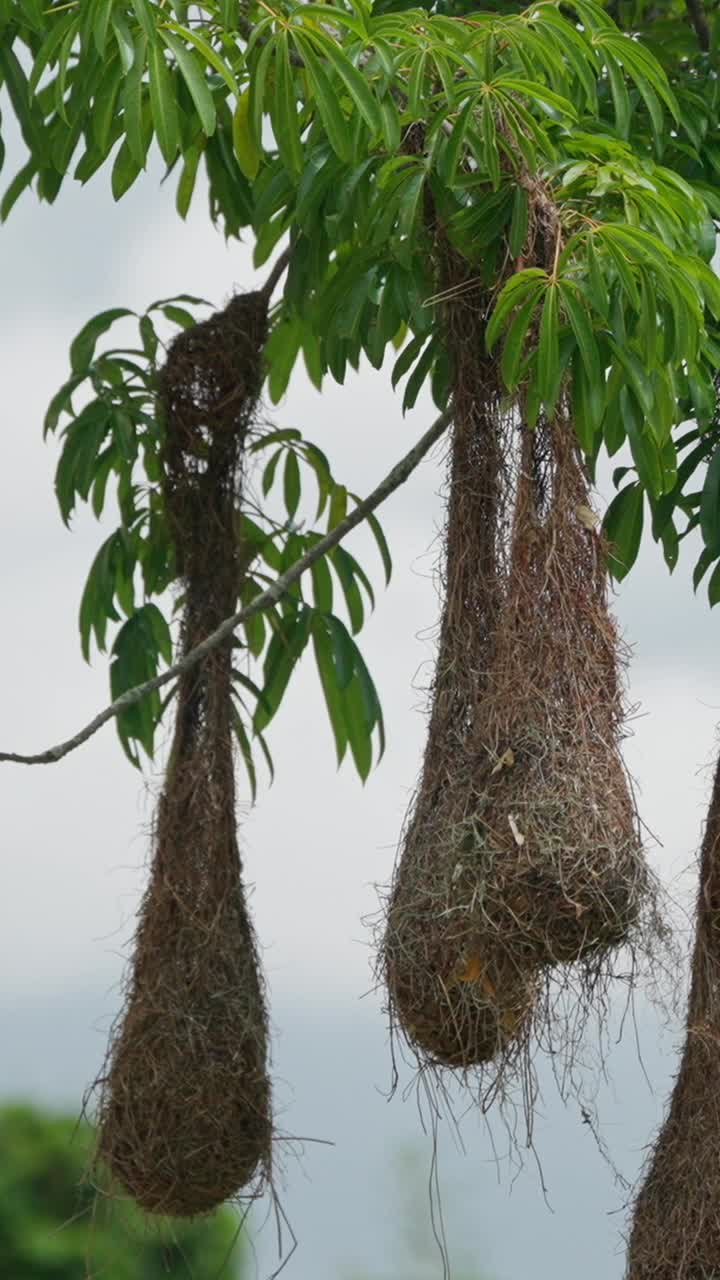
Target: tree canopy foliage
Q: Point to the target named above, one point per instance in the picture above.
(346, 134)
(53, 1228)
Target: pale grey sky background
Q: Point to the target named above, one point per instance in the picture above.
(74, 835)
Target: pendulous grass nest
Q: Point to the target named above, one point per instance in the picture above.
(551, 830)
(676, 1221)
(521, 867)
(185, 1116)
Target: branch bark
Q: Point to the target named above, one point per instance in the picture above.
(275, 274)
(392, 481)
(698, 18)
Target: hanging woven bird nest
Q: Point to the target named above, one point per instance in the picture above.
(676, 1221)
(551, 839)
(184, 1115)
(456, 1000)
(450, 990)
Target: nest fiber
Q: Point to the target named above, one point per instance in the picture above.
(451, 993)
(522, 849)
(185, 1105)
(676, 1224)
(550, 843)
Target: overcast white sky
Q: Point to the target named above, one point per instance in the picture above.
(317, 842)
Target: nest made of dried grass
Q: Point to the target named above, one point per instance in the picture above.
(185, 1116)
(552, 826)
(425, 948)
(522, 850)
(676, 1220)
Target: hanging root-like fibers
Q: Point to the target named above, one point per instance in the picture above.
(185, 1102)
(676, 1222)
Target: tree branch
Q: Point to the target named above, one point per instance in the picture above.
(275, 274)
(392, 481)
(698, 18)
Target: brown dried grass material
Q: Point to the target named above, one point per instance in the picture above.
(459, 1006)
(676, 1222)
(552, 827)
(522, 847)
(427, 942)
(184, 1115)
(208, 395)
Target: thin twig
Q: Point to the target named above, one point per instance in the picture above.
(392, 481)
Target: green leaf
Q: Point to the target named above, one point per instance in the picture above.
(623, 526)
(450, 157)
(283, 652)
(194, 77)
(322, 585)
(161, 632)
(415, 96)
(207, 52)
(491, 154)
(20, 182)
(620, 95)
(419, 375)
(326, 98)
(538, 92)
(105, 106)
(61, 402)
(382, 545)
(96, 605)
(407, 358)
(269, 473)
(353, 80)
(281, 352)
(519, 223)
(46, 55)
(101, 25)
(292, 483)
(343, 651)
(82, 349)
(357, 729)
(518, 288)
(256, 91)
(134, 661)
(637, 376)
(588, 406)
(344, 567)
(338, 506)
(584, 336)
(247, 153)
(710, 504)
(124, 171)
(323, 648)
(595, 284)
(144, 15)
(243, 742)
(23, 104)
(714, 586)
(514, 347)
(286, 125)
(132, 100)
(707, 556)
(164, 104)
(126, 47)
(186, 184)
